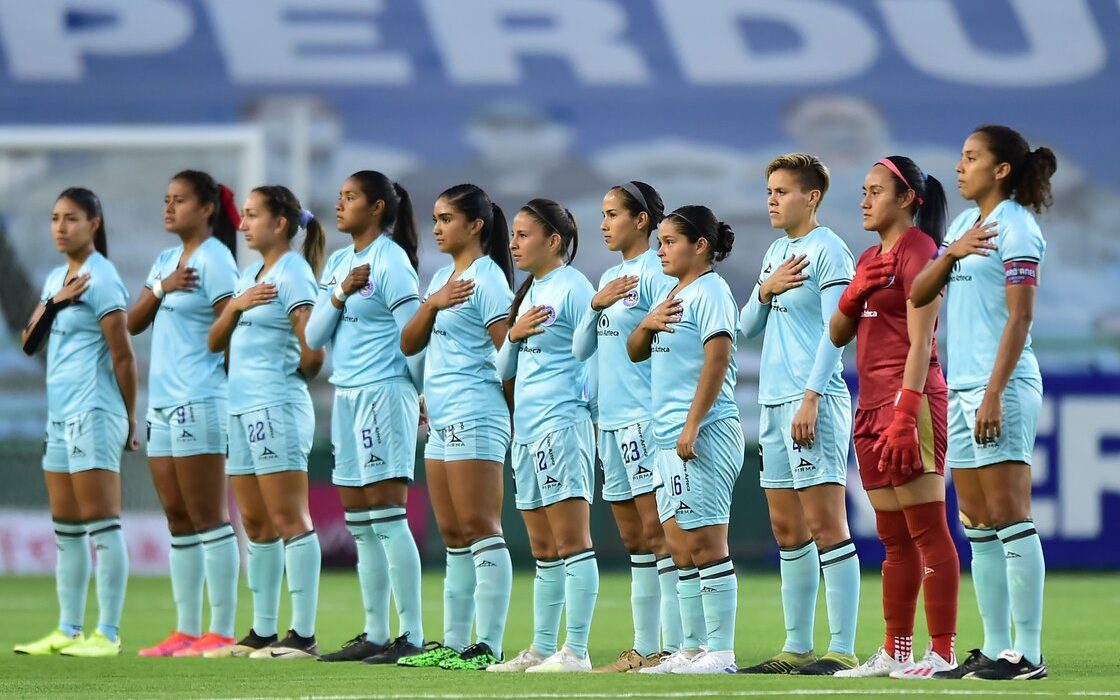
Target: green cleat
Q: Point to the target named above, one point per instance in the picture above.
(95, 646)
(474, 658)
(782, 663)
(53, 643)
(828, 664)
(431, 657)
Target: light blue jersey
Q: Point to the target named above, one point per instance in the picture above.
(182, 367)
(264, 350)
(551, 387)
(460, 378)
(80, 373)
(624, 388)
(976, 300)
(366, 343)
(708, 310)
(795, 320)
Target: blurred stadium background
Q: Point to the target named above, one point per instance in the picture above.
(563, 99)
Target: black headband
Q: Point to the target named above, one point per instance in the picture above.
(632, 189)
(545, 219)
(691, 223)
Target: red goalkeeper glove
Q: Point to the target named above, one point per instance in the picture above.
(871, 276)
(899, 442)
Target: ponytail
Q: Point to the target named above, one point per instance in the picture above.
(475, 204)
(697, 221)
(314, 245)
(91, 205)
(1029, 181)
(930, 208)
(224, 221)
(555, 219)
(397, 214)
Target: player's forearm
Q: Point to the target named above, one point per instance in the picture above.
(931, 280)
(324, 319)
(716, 361)
(222, 330)
(506, 363)
(585, 338)
(842, 329)
(1011, 344)
(638, 344)
(418, 331)
(124, 367)
(752, 319)
(37, 330)
(143, 312)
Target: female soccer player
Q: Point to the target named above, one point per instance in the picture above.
(368, 293)
(806, 417)
(995, 388)
(462, 323)
(271, 419)
(91, 402)
(187, 289)
(690, 336)
(900, 424)
(553, 451)
(631, 212)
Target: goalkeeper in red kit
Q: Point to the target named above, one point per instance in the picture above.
(901, 421)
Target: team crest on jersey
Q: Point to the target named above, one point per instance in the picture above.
(367, 291)
(631, 298)
(550, 318)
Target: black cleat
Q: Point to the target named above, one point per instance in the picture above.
(356, 649)
(782, 663)
(1011, 666)
(827, 665)
(398, 649)
(975, 662)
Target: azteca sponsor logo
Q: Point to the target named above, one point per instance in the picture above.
(656, 345)
(631, 298)
(605, 327)
(868, 313)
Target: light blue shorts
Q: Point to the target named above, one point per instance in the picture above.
(559, 466)
(195, 428)
(271, 439)
(698, 492)
(485, 439)
(373, 433)
(628, 461)
(1021, 402)
(789, 466)
(90, 440)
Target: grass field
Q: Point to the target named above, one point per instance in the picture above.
(1082, 617)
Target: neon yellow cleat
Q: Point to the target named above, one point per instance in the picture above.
(53, 643)
(94, 646)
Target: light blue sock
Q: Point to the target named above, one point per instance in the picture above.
(989, 578)
(693, 625)
(303, 560)
(71, 574)
(801, 579)
(1026, 578)
(187, 573)
(493, 573)
(548, 603)
(719, 592)
(645, 602)
(840, 566)
(373, 574)
(266, 573)
(458, 598)
(581, 589)
(671, 633)
(112, 573)
(222, 563)
(391, 527)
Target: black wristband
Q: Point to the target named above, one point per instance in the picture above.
(53, 306)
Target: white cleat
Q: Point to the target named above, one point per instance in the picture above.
(672, 661)
(709, 663)
(524, 661)
(923, 670)
(878, 665)
(563, 661)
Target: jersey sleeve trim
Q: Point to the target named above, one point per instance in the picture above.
(220, 297)
(110, 310)
(404, 300)
(717, 333)
(835, 283)
(301, 302)
(494, 320)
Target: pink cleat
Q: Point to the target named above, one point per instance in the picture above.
(206, 642)
(175, 642)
